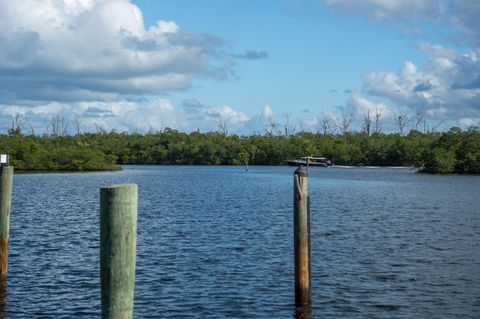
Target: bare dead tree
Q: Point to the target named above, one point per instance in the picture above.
(222, 126)
(100, 129)
(344, 120)
(367, 123)
(402, 120)
(32, 129)
(327, 124)
(301, 125)
(418, 119)
(59, 125)
(16, 128)
(272, 125)
(55, 124)
(378, 114)
(46, 131)
(287, 126)
(77, 123)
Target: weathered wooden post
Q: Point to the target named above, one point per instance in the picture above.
(6, 182)
(301, 235)
(118, 237)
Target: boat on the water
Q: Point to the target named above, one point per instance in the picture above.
(310, 161)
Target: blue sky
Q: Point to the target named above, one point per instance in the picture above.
(150, 64)
(311, 51)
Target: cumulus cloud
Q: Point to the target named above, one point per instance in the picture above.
(90, 50)
(260, 123)
(447, 86)
(362, 105)
(125, 115)
(226, 113)
(465, 17)
(449, 81)
(460, 16)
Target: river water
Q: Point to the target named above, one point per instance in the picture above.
(217, 242)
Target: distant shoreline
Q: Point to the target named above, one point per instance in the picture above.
(455, 151)
(120, 168)
(59, 171)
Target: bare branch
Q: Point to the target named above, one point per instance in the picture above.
(367, 123)
(402, 120)
(345, 120)
(16, 128)
(418, 119)
(287, 126)
(327, 124)
(378, 115)
(77, 122)
(222, 126)
(59, 125)
(272, 125)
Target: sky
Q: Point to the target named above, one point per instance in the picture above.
(246, 66)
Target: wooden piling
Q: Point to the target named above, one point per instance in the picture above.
(301, 221)
(6, 182)
(118, 236)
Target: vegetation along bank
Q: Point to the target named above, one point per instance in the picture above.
(455, 151)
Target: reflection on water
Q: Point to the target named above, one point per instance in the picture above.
(3, 295)
(217, 242)
(303, 312)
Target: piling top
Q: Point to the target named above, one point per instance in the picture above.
(6, 168)
(301, 171)
(118, 186)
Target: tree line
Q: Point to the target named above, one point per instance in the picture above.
(454, 151)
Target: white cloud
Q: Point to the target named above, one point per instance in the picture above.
(459, 16)
(226, 113)
(468, 122)
(258, 124)
(96, 50)
(267, 113)
(465, 16)
(362, 105)
(437, 112)
(448, 85)
(125, 116)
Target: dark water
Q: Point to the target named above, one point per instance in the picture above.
(216, 242)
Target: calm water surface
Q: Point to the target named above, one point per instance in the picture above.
(216, 242)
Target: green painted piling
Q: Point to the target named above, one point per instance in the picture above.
(6, 182)
(118, 236)
(301, 222)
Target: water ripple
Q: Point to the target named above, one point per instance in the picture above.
(216, 242)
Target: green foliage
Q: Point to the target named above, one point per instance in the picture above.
(453, 151)
(54, 153)
(440, 161)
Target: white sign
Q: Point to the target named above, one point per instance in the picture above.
(3, 159)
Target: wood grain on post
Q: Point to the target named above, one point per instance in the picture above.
(301, 222)
(6, 182)
(118, 237)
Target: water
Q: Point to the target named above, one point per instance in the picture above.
(216, 242)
